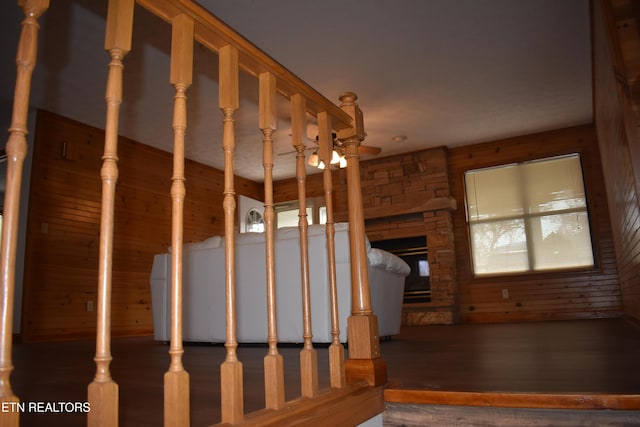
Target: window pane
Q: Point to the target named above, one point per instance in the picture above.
(322, 213)
(499, 246)
(561, 241)
(290, 218)
(484, 202)
(254, 221)
(423, 268)
(553, 185)
(543, 201)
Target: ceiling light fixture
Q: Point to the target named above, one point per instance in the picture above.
(314, 159)
(336, 159)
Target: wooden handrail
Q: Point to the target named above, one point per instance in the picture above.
(348, 406)
(191, 22)
(214, 34)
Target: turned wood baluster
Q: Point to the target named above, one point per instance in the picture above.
(103, 391)
(16, 150)
(232, 406)
(176, 379)
(365, 361)
(273, 363)
(308, 355)
(336, 349)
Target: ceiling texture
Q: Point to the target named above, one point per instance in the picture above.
(427, 73)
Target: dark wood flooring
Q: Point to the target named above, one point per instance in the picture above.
(584, 356)
(587, 356)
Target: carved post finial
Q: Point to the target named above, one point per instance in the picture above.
(350, 106)
(348, 98)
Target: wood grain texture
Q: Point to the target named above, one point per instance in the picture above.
(336, 350)
(61, 257)
(16, 151)
(231, 372)
(176, 379)
(408, 415)
(308, 355)
(616, 108)
(516, 400)
(585, 293)
(103, 391)
(215, 35)
(417, 178)
(273, 364)
(350, 406)
(573, 357)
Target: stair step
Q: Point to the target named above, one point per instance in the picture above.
(420, 415)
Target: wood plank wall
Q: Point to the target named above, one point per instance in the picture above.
(616, 43)
(588, 293)
(61, 260)
(533, 297)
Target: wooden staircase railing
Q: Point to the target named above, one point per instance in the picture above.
(16, 150)
(355, 392)
(176, 379)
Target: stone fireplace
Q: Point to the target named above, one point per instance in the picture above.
(413, 251)
(439, 304)
(408, 196)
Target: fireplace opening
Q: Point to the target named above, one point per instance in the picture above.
(413, 251)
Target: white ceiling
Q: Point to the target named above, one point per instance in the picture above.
(440, 72)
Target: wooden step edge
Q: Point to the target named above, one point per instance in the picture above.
(516, 400)
(349, 406)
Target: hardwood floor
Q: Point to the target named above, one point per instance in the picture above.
(567, 357)
(584, 356)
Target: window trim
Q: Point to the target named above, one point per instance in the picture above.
(315, 204)
(526, 218)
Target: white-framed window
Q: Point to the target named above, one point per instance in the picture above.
(529, 216)
(254, 221)
(287, 213)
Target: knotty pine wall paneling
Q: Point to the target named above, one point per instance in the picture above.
(61, 259)
(580, 294)
(616, 42)
(397, 191)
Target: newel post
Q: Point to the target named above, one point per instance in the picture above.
(365, 361)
